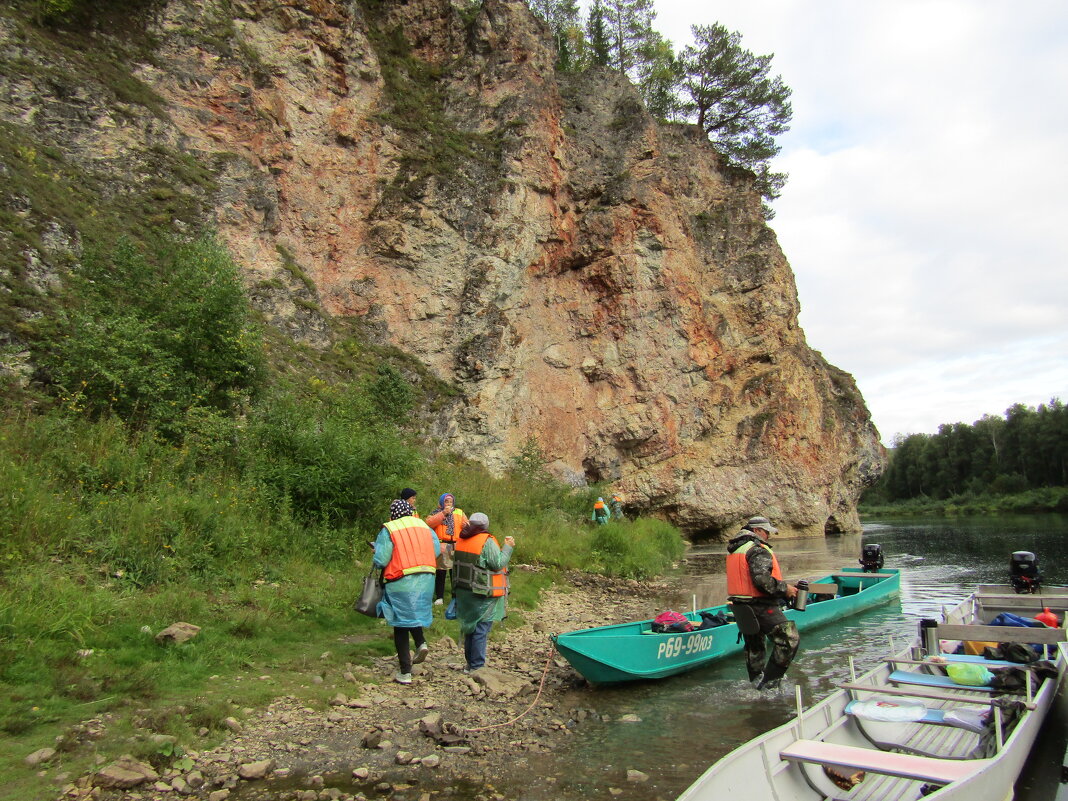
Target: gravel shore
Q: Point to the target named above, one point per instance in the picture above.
(419, 742)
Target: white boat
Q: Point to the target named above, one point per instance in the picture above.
(843, 749)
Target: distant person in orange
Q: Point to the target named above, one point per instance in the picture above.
(447, 521)
(617, 507)
(600, 514)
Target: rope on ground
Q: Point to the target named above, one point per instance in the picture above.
(541, 686)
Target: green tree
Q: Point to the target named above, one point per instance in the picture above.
(1026, 450)
(563, 18)
(629, 25)
(659, 76)
(736, 103)
(151, 335)
(600, 46)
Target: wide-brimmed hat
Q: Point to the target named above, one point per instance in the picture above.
(762, 523)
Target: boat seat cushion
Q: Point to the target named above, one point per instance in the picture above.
(928, 680)
(908, 766)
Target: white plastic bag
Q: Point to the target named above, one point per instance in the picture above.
(888, 711)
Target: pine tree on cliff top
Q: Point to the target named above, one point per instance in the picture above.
(736, 103)
(597, 34)
(629, 24)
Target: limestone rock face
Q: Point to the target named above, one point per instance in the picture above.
(586, 276)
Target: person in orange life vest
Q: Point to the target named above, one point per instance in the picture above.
(600, 512)
(407, 550)
(755, 589)
(409, 496)
(447, 522)
(480, 586)
(616, 504)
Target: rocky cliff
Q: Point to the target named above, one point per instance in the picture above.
(584, 275)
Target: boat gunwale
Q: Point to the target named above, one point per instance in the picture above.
(632, 623)
(1030, 721)
(881, 590)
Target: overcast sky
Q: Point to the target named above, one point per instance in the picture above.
(926, 214)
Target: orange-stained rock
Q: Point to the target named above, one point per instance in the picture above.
(583, 274)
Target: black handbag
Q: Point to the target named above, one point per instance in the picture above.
(367, 603)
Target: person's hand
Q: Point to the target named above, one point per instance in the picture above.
(791, 591)
(509, 541)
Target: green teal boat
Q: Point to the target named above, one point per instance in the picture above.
(633, 651)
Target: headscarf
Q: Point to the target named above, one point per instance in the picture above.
(477, 523)
(407, 493)
(399, 509)
(450, 520)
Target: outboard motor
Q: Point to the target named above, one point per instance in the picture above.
(1023, 572)
(871, 558)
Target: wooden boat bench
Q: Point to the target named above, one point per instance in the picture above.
(908, 766)
(858, 574)
(977, 633)
(822, 589)
(954, 659)
(931, 680)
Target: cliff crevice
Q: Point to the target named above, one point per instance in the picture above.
(587, 277)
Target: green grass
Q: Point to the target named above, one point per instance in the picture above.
(112, 534)
(243, 509)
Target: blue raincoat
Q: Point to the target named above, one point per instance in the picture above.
(408, 602)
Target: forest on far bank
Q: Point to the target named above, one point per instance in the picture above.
(1022, 455)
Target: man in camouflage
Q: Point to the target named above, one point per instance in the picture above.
(755, 589)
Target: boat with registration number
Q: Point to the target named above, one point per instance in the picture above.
(633, 651)
(905, 730)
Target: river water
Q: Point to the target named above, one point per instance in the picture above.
(690, 721)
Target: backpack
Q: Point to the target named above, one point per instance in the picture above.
(671, 622)
(711, 621)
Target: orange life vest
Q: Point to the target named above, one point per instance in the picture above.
(458, 520)
(467, 574)
(413, 548)
(740, 580)
(599, 505)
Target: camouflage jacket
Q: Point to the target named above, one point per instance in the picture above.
(759, 560)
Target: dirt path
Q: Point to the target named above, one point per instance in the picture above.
(413, 742)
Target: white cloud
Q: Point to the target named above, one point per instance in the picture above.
(924, 213)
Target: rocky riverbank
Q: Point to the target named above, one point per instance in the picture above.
(445, 731)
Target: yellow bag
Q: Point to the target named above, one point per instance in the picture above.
(975, 647)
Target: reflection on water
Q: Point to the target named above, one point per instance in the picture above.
(690, 721)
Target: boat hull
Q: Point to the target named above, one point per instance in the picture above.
(766, 769)
(630, 652)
